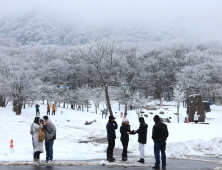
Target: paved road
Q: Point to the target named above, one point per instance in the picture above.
(172, 164)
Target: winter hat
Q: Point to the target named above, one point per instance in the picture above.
(141, 119)
(111, 118)
(156, 118)
(125, 120)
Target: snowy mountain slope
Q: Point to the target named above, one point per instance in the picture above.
(41, 28)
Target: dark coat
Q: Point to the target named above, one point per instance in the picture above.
(142, 131)
(160, 132)
(37, 107)
(124, 135)
(110, 127)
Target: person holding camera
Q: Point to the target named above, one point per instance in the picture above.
(50, 135)
(111, 136)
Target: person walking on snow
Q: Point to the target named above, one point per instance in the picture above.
(48, 109)
(38, 146)
(53, 109)
(125, 131)
(159, 136)
(50, 135)
(142, 138)
(111, 136)
(196, 117)
(37, 110)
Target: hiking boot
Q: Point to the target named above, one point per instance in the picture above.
(124, 158)
(163, 167)
(156, 167)
(111, 160)
(141, 161)
(111, 156)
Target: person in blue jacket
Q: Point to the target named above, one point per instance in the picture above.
(111, 136)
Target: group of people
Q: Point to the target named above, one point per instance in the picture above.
(53, 109)
(48, 109)
(49, 131)
(159, 136)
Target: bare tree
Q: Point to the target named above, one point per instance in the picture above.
(98, 62)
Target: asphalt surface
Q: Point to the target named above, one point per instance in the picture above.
(172, 164)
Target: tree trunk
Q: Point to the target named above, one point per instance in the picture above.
(19, 107)
(108, 101)
(43, 101)
(87, 103)
(24, 104)
(64, 104)
(178, 107)
(96, 107)
(119, 105)
(82, 107)
(7, 102)
(125, 113)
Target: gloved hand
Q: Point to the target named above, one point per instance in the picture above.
(115, 124)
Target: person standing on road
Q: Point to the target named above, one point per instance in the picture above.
(37, 110)
(159, 136)
(111, 136)
(125, 131)
(48, 109)
(142, 138)
(38, 146)
(50, 135)
(53, 109)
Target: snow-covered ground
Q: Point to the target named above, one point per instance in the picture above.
(184, 139)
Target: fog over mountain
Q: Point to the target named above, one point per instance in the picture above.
(73, 22)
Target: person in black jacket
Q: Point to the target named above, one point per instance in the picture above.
(159, 136)
(125, 131)
(142, 131)
(111, 136)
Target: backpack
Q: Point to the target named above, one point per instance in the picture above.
(41, 135)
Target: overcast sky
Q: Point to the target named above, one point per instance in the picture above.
(198, 18)
(115, 10)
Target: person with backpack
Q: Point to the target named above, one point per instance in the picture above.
(111, 136)
(50, 135)
(48, 109)
(36, 129)
(53, 109)
(142, 138)
(37, 110)
(159, 135)
(125, 131)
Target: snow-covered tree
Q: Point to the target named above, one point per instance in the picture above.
(179, 96)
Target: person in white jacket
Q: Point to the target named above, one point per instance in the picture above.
(196, 117)
(38, 146)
